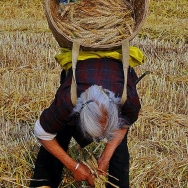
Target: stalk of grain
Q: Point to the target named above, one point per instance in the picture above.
(89, 16)
(100, 180)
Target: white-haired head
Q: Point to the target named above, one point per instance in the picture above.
(98, 109)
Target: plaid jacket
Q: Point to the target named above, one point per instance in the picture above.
(105, 72)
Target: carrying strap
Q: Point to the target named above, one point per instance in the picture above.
(125, 61)
(75, 54)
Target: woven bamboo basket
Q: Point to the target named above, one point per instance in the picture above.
(139, 12)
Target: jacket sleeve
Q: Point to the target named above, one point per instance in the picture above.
(39, 132)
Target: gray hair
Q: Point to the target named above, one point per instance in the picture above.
(98, 109)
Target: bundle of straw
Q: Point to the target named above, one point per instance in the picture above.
(100, 180)
(96, 22)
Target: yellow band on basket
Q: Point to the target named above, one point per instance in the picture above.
(64, 58)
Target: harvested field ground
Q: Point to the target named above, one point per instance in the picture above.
(29, 78)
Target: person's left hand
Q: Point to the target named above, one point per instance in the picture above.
(102, 166)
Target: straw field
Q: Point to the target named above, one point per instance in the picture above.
(29, 78)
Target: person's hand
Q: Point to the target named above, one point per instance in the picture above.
(102, 166)
(82, 173)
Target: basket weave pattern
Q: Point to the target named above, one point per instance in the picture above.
(139, 12)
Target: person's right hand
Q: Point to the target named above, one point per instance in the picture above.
(82, 173)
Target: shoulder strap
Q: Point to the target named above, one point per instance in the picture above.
(125, 61)
(75, 54)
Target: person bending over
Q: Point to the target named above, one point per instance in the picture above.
(97, 115)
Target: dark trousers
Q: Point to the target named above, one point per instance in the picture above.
(48, 169)
(119, 166)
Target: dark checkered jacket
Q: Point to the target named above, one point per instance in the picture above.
(107, 73)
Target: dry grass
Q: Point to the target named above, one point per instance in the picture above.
(100, 180)
(29, 75)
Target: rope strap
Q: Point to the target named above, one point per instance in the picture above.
(75, 54)
(125, 61)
